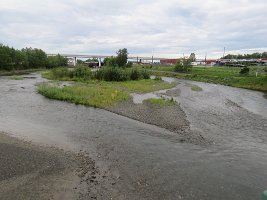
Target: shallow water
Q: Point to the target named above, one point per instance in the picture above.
(151, 164)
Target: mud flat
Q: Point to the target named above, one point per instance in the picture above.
(28, 171)
(170, 117)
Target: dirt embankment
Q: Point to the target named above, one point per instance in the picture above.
(28, 171)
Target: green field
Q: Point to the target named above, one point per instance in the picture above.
(220, 75)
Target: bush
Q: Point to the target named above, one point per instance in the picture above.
(183, 66)
(82, 72)
(129, 65)
(135, 75)
(112, 74)
(61, 72)
(120, 74)
(244, 70)
(145, 74)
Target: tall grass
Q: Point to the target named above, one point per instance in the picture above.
(105, 74)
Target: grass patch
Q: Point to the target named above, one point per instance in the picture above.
(144, 86)
(196, 88)
(101, 94)
(162, 102)
(18, 72)
(221, 75)
(14, 77)
(98, 96)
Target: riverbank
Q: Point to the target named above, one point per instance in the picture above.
(116, 97)
(168, 116)
(28, 171)
(18, 72)
(228, 76)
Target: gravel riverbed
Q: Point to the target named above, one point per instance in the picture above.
(29, 171)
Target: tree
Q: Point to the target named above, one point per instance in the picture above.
(122, 57)
(56, 61)
(192, 57)
(79, 61)
(37, 58)
(111, 61)
(183, 65)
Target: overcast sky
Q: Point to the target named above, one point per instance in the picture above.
(162, 27)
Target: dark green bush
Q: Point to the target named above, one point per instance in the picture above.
(244, 71)
(135, 74)
(112, 74)
(129, 65)
(145, 74)
(183, 66)
(82, 72)
(61, 72)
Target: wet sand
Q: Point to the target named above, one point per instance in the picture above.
(29, 171)
(171, 117)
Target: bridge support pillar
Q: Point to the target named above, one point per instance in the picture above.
(74, 61)
(99, 62)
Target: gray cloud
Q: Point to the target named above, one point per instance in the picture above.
(167, 28)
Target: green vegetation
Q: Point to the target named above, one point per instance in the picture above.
(119, 61)
(183, 65)
(244, 70)
(120, 74)
(143, 86)
(219, 75)
(18, 72)
(162, 102)
(100, 96)
(14, 77)
(27, 58)
(196, 88)
(246, 56)
(83, 74)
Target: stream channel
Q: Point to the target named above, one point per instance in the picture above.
(145, 161)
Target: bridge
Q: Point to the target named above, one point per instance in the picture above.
(100, 57)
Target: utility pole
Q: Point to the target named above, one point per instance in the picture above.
(152, 56)
(206, 58)
(223, 52)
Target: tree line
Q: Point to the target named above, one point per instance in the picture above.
(246, 56)
(14, 59)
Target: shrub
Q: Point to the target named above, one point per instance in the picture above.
(244, 70)
(60, 72)
(135, 75)
(82, 72)
(145, 74)
(129, 65)
(183, 65)
(112, 74)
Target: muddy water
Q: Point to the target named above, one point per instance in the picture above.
(144, 161)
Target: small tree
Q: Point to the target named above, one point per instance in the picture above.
(111, 61)
(122, 57)
(183, 65)
(244, 71)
